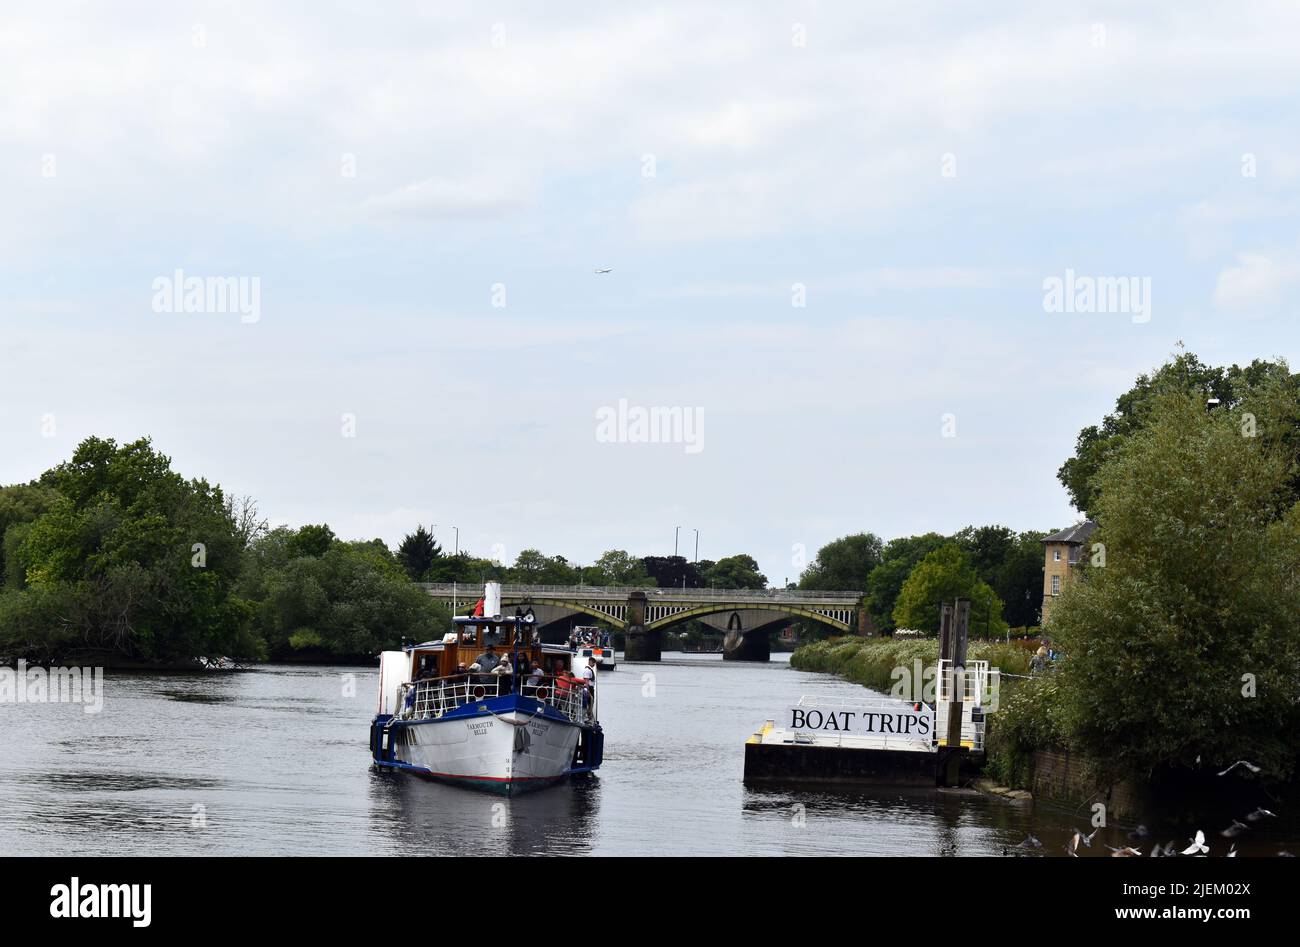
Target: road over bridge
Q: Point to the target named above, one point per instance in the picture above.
(642, 613)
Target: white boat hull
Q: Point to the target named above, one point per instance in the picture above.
(507, 752)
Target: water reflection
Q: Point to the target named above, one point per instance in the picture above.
(420, 816)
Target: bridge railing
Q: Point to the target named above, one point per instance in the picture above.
(793, 596)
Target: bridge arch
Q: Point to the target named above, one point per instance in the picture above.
(840, 619)
(579, 608)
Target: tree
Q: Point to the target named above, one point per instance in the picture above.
(1010, 564)
(312, 541)
(534, 568)
(617, 567)
(944, 576)
(128, 560)
(417, 553)
(249, 523)
(348, 603)
(897, 561)
(1183, 645)
(1018, 581)
(20, 505)
(844, 564)
(1266, 389)
(674, 572)
(736, 572)
(466, 568)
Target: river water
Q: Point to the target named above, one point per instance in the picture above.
(274, 761)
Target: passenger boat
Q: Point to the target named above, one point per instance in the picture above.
(445, 713)
(590, 641)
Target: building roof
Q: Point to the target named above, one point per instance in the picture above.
(1078, 533)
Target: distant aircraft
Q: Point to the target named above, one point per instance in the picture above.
(609, 270)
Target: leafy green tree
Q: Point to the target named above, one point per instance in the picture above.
(736, 572)
(418, 552)
(312, 541)
(534, 568)
(844, 564)
(1266, 389)
(897, 561)
(130, 560)
(1183, 646)
(466, 568)
(350, 602)
(944, 576)
(1018, 581)
(20, 505)
(617, 567)
(1012, 565)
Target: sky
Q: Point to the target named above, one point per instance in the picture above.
(830, 229)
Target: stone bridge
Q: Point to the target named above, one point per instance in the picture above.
(643, 613)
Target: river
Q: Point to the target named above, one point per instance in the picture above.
(274, 761)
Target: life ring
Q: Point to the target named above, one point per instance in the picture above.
(542, 694)
(479, 691)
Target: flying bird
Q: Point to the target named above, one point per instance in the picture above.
(1198, 846)
(1250, 766)
(1260, 814)
(1234, 830)
(609, 269)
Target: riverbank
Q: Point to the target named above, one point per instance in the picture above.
(876, 662)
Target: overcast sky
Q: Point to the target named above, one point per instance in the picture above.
(391, 176)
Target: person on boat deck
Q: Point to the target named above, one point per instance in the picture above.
(486, 662)
(589, 679)
(535, 678)
(563, 683)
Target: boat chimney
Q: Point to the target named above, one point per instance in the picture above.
(492, 600)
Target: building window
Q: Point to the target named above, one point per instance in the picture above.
(1057, 555)
(1056, 585)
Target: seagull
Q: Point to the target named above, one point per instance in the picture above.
(1250, 766)
(1232, 852)
(1234, 830)
(609, 269)
(1087, 839)
(1030, 844)
(1198, 846)
(1260, 814)
(1126, 852)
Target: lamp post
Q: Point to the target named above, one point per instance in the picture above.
(457, 529)
(676, 531)
(697, 545)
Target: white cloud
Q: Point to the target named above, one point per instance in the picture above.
(1258, 280)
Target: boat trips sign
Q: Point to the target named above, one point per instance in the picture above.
(902, 721)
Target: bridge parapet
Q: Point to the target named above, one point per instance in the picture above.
(464, 590)
(644, 612)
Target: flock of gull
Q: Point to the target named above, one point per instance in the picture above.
(1198, 846)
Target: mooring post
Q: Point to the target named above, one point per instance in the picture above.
(956, 687)
(945, 631)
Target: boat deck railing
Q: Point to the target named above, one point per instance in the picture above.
(431, 698)
(978, 682)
